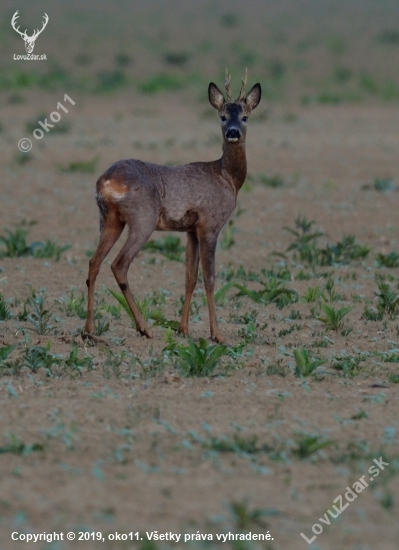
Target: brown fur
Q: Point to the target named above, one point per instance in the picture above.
(196, 198)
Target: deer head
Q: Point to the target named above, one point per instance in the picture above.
(234, 114)
(29, 40)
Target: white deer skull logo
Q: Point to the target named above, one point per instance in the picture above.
(29, 40)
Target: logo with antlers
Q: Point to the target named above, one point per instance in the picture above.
(29, 40)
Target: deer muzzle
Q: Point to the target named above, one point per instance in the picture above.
(233, 134)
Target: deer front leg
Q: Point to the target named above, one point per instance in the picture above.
(207, 253)
(192, 260)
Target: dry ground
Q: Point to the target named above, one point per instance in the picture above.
(116, 437)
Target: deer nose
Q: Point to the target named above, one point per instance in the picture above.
(233, 134)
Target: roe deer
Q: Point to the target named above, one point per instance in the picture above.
(197, 198)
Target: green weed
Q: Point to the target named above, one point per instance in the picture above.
(313, 294)
(348, 364)
(75, 306)
(227, 237)
(274, 181)
(169, 246)
(62, 127)
(388, 299)
(5, 312)
(16, 245)
(334, 317)
(273, 292)
(304, 363)
(111, 81)
(307, 251)
(196, 360)
(387, 260)
(101, 325)
(162, 82)
(176, 58)
(37, 357)
(81, 166)
(372, 314)
(15, 445)
(39, 316)
(75, 364)
(5, 352)
(309, 444)
(246, 519)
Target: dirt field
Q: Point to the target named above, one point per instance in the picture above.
(134, 435)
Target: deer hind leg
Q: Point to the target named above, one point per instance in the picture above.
(192, 260)
(207, 254)
(110, 233)
(137, 237)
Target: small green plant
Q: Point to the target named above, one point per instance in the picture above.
(101, 325)
(169, 246)
(387, 260)
(313, 294)
(110, 81)
(372, 314)
(75, 305)
(245, 519)
(307, 251)
(304, 363)
(176, 58)
(384, 185)
(274, 181)
(227, 239)
(62, 127)
(237, 444)
(5, 312)
(359, 414)
(334, 317)
(5, 351)
(304, 245)
(81, 166)
(348, 364)
(162, 82)
(196, 360)
(273, 292)
(39, 316)
(388, 299)
(285, 331)
(15, 445)
(309, 444)
(16, 245)
(75, 364)
(37, 357)
(148, 313)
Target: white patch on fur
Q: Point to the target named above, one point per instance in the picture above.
(109, 191)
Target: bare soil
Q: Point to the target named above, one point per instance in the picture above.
(134, 445)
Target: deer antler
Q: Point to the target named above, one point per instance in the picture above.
(37, 32)
(227, 80)
(13, 23)
(244, 83)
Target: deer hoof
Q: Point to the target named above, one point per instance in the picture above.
(93, 339)
(144, 332)
(218, 338)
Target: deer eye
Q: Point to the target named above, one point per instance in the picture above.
(244, 118)
(223, 118)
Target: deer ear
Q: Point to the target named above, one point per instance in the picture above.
(216, 98)
(253, 97)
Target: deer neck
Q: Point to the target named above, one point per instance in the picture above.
(234, 164)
